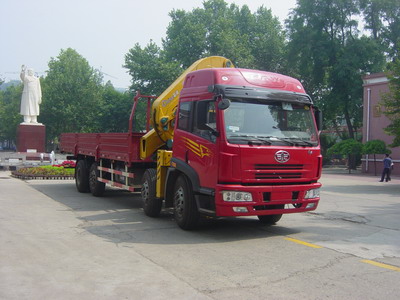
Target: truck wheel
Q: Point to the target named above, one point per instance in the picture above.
(151, 204)
(82, 176)
(97, 188)
(185, 209)
(269, 219)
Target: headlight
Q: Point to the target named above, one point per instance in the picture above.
(233, 196)
(312, 194)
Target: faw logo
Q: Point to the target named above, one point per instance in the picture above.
(198, 149)
(282, 156)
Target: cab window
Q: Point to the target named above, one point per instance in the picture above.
(205, 123)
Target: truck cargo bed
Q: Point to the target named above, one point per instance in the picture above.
(114, 146)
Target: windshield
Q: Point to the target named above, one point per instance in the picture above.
(271, 123)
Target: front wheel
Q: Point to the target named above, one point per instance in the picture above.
(269, 219)
(151, 204)
(97, 188)
(185, 209)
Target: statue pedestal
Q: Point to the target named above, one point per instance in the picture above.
(31, 137)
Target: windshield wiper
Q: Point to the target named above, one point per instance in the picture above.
(300, 142)
(264, 139)
(250, 139)
(275, 138)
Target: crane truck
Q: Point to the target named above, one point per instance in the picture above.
(219, 142)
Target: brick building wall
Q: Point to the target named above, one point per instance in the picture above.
(374, 122)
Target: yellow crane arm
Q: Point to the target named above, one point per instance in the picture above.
(164, 107)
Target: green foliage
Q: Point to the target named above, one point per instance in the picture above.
(375, 147)
(10, 100)
(115, 110)
(327, 53)
(249, 40)
(346, 147)
(349, 148)
(151, 72)
(382, 17)
(392, 103)
(72, 95)
(327, 141)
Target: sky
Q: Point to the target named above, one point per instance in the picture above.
(102, 31)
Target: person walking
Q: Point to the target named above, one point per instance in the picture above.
(387, 164)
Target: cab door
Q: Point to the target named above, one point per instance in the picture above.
(203, 152)
(195, 140)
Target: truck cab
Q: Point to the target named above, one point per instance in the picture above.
(247, 141)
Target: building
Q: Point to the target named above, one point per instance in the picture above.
(374, 122)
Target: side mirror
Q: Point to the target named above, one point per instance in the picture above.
(224, 104)
(318, 118)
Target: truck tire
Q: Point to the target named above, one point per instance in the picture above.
(269, 219)
(151, 204)
(186, 213)
(82, 176)
(96, 187)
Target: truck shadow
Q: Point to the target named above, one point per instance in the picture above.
(118, 218)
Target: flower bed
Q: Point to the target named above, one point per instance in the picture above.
(45, 172)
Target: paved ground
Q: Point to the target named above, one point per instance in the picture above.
(56, 243)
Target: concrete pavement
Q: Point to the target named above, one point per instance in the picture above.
(45, 254)
(59, 244)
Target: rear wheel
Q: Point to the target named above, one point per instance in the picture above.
(97, 188)
(151, 204)
(82, 176)
(185, 209)
(270, 219)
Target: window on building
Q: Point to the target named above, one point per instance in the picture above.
(377, 112)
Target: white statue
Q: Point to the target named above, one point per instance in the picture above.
(31, 96)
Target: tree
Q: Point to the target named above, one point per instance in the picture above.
(375, 147)
(327, 141)
(391, 102)
(349, 148)
(10, 100)
(72, 93)
(382, 17)
(116, 110)
(151, 72)
(250, 40)
(326, 52)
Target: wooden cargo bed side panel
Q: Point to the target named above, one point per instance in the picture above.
(115, 146)
(87, 143)
(68, 142)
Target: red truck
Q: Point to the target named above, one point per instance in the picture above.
(220, 141)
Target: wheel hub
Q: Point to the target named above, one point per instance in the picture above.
(145, 190)
(179, 201)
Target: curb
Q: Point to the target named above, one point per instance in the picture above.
(41, 177)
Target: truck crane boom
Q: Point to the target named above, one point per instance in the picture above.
(164, 107)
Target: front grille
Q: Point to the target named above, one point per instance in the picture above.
(281, 171)
(278, 167)
(278, 175)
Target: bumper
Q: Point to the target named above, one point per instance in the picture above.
(266, 200)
